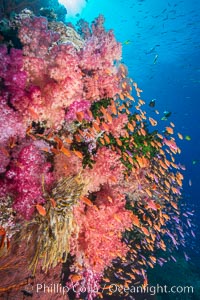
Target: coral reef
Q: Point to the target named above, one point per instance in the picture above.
(86, 180)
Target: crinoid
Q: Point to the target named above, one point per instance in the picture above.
(51, 233)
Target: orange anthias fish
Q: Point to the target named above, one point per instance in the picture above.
(113, 108)
(65, 151)
(130, 97)
(58, 141)
(121, 96)
(78, 153)
(143, 131)
(130, 127)
(106, 279)
(180, 136)
(96, 126)
(68, 141)
(169, 130)
(75, 277)
(86, 201)
(105, 126)
(148, 192)
(102, 141)
(145, 230)
(110, 199)
(41, 210)
(106, 138)
(142, 161)
(171, 144)
(80, 116)
(77, 138)
(117, 218)
(108, 117)
(151, 204)
(152, 121)
(135, 220)
(119, 143)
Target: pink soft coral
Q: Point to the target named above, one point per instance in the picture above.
(75, 107)
(11, 124)
(116, 128)
(107, 169)
(36, 37)
(12, 73)
(25, 180)
(100, 229)
(67, 166)
(53, 74)
(100, 52)
(97, 61)
(49, 77)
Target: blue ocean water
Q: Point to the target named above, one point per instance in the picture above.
(161, 47)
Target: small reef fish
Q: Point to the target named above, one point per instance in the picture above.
(152, 103)
(188, 138)
(180, 136)
(171, 144)
(169, 130)
(152, 121)
(167, 114)
(155, 59)
(41, 210)
(127, 42)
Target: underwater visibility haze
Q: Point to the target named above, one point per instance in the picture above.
(99, 149)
